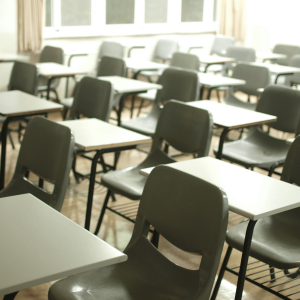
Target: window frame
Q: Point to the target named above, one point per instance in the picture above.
(100, 28)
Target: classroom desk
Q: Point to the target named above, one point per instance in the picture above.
(93, 134)
(126, 86)
(54, 70)
(209, 60)
(267, 55)
(250, 194)
(230, 117)
(39, 244)
(278, 70)
(206, 80)
(212, 81)
(16, 104)
(138, 66)
(11, 57)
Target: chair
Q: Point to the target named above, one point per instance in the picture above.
(293, 80)
(256, 77)
(257, 148)
(178, 60)
(108, 66)
(275, 239)
(241, 54)
(196, 223)
(219, 47)
(50, 54)
(186, 128)
(46, 151)
(163, 52)
(111, 48)
(93, 98)
(177, 84)
(23, 77)
(288, 50)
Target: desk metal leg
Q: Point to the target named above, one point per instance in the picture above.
(92, 180)
(49, 87)
(121, 105)
(209, 93)
(244, 261)
(221, 142)
(3, 151)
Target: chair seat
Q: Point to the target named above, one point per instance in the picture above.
(238, 103)
(150, 95)
(257, 149)
(137, 278)
(273, 242)
(67, 102)
(128, 181)
(144, 125)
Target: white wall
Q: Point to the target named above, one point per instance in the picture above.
(8, 37)
(271, 22)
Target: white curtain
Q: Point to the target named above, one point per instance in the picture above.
(232, 19)
(30, 25)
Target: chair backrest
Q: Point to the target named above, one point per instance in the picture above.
(291, 174)
(295, 78)
(111, 48)
(47, 151)
(93, 98)
(190, 213)
(185, 61)
(111, 66)
(178, 84)
(220, 44)
(288, 50)
(255, 76)
(283, 102)
(186, 128)
(241, 54)
(24, 77)
(165, 49)
(52, 54)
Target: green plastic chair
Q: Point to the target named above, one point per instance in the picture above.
(258, 148)
(186, 128)
(178, 84)
(276, 239)
(196, 223)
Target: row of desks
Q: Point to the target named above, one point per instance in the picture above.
(92, 134)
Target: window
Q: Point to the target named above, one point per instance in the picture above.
(67, 18)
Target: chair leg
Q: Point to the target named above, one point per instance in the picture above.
(117, 155)
(10, 296)
(272, 274)
(218, 95)
(10, 139)
(74, 170)
(140, 107)
(166, 149)
(221, 273)
(272, 169)
(102, 212)
(155, 238)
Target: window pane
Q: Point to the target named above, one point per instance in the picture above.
(48, 13)
(76, 12)
(156, 11)
(119, 11)
(192, 11)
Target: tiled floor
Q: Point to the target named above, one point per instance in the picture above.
(117, 231)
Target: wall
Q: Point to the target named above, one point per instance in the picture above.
(271, 22)
(8, 37)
